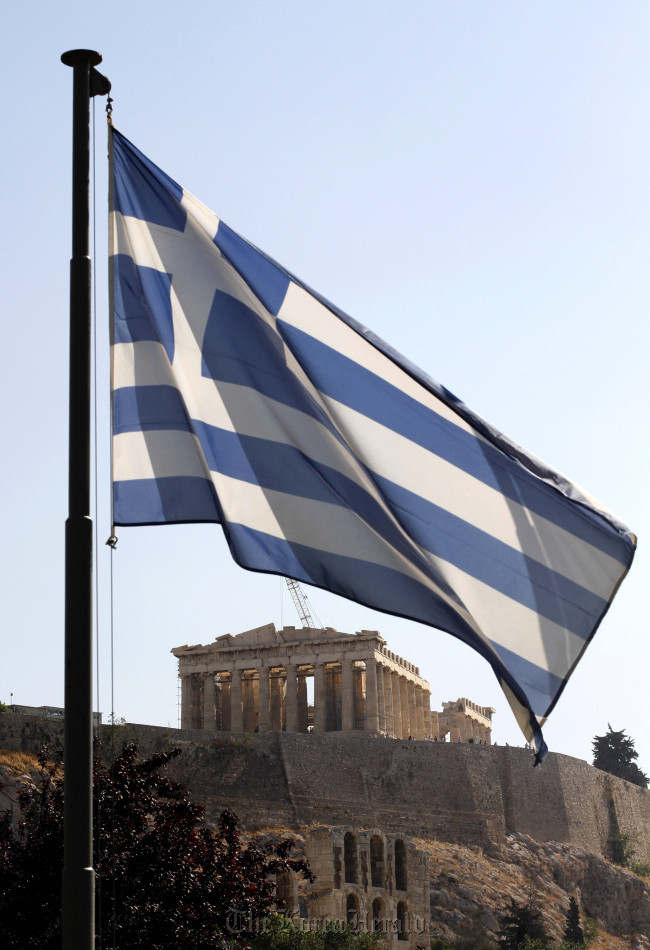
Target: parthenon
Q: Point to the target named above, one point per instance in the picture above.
(257, 682)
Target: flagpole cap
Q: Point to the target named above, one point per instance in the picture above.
(74, 56)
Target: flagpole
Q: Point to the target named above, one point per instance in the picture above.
(78, 880)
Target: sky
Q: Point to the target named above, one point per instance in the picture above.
(468, 179)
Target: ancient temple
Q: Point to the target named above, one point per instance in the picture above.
(257, 681)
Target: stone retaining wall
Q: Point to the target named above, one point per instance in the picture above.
(451, 792)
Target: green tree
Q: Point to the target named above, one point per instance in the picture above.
(3, 707)
(573, 932)
(472, 934)
(590, 928)
(620, 849)
(165, 881)
(615, 753)
(519, 923)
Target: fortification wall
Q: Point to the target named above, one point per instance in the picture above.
(452, 792)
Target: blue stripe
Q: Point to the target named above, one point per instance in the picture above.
(381, 589)
(147, 408)
(540, 686)
(265, 278)
(165, 501)
(353, 385)
(239, 347)
(362, 581)
(143, 309)
(142, 190)
(284, 468)
(504, 568)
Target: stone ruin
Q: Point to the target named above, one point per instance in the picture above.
(372, 881)
(256, 682)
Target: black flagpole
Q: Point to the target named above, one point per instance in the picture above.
(78, 891)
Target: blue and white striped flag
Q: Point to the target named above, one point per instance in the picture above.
(241, 397)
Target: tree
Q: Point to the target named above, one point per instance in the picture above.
(472, 934)
(615, 753)
(3, 707)
(164, 881)
(573, 932)
(519, 922)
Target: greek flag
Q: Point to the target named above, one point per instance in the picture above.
(242, 397)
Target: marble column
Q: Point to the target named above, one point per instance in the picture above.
(381, 704)
(186, 702)
(388, 701)
(372, 705)
(291, 700)
(264, 719)
(333, 698)
(320, 708)
(209, 702)
(428, 728)
(347, 696)
(277, 686)
(397, 705)
(404, 698)
(249, 712)
(224, 680)
(303, 702)
(358, 681)
(419, 712)
(236, 709)
(197, 705)
(413, 719)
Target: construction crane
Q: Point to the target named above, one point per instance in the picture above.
(302, 605)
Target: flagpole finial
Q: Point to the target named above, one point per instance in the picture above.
(74, 56)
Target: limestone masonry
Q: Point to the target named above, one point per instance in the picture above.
(375, 882)
(454, 792)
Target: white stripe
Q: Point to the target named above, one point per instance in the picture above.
(205, 219)
(510, 624)
(160, 453)
(318, 525)
(425, 474)
(338, 530)
(140, 364)
(304, 312)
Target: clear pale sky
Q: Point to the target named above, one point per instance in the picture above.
(468, 179)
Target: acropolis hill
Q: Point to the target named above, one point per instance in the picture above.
(253, 742)
(377, 785)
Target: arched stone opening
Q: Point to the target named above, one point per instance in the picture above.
(402, 920)
(350, 858)
(377, 864)
(401, 876)
(378, 916)
(352, 911)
